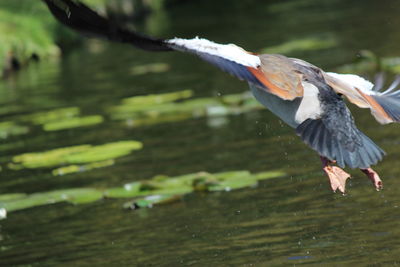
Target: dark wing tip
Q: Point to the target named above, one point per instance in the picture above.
(80, 17)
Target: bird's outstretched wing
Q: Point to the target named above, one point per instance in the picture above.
(384, 105)
(81, 18)
(228, 57)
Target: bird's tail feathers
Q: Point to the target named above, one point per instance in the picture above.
(389, 100)
(318, 137)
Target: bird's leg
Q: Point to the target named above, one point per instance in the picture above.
(374, 177)
(337, 176)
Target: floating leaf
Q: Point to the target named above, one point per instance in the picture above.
(129, 190)
(368, 62)
(8, 197)
(81, 168)
(306, 44)
(150, 68)
(77, 196)
(59, 119)
(232, 184)
(135, 122)
(9, 128)
(104, 152)
(84, 196)
(98, 156)
(152, 99)
(153, 111)
(74, 122)
(150, 201)
(158, 190)
(44, 117)
(48, 158)
(269, 175)
(233, 180)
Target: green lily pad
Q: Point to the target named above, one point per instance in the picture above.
(74, 122)
(367, 62)
(44, 117)
(233, 180)
(76, 196)
(81, 168)
(98, 157)
(269, 175)
(9, 128)
(150, 201)
(150, 68)
(152, 99)
(136, 122)
(129, 190)
(147, 110)
(158, 190)
(306, 44)
(48, 158)
(104, 152)
(82, 196)
(8, 197)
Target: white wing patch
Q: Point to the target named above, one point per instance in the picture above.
(355, 81)
(228, 51)
(310, 107)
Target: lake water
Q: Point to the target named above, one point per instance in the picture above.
(294, 220)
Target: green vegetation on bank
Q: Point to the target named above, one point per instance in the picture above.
(28, 30)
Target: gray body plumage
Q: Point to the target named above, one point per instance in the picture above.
(284, 109)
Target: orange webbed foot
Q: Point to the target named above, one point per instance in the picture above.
(337, 176)
(374, 177)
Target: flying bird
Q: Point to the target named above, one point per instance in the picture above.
(302, 95)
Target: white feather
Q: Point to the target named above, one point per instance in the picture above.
(228, 51)
(355, 81)
(310, 107)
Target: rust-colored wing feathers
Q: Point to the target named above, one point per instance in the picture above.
(359, 92)
(347, 90)
(279, 77)
(376, 109)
